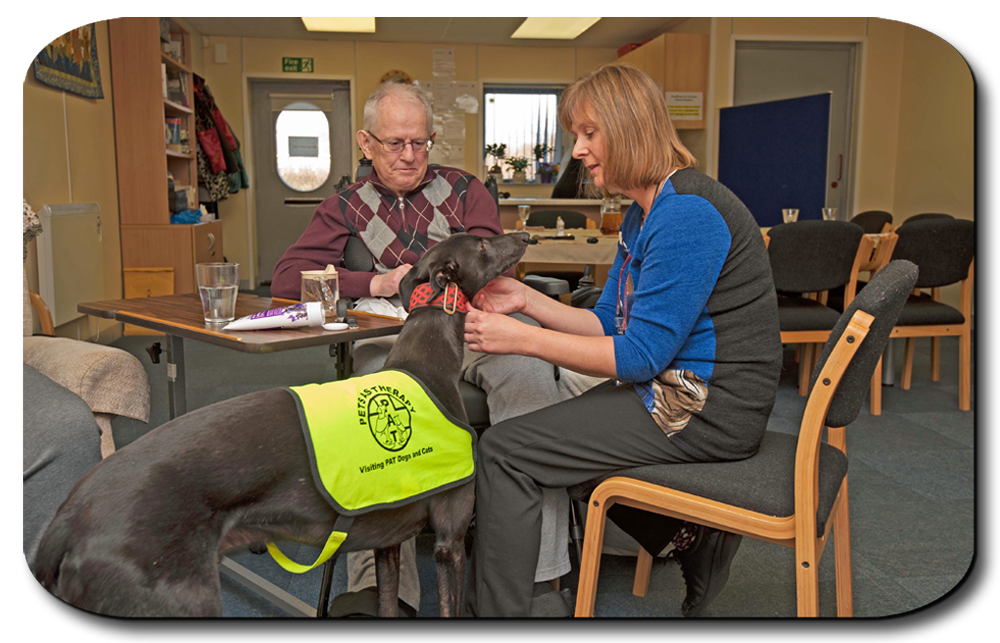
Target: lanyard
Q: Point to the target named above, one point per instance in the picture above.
(624, 296)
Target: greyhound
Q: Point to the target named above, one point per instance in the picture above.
(142, 533)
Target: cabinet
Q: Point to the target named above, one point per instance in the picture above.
(677, 62)
(141, 110)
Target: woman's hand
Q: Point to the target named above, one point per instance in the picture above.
(503, 295)
(493, 333)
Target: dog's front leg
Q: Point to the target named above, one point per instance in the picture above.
(387, 577)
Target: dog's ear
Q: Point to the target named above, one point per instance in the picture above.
(444, 273)
(418, 275)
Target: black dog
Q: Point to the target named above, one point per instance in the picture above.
(141, 534)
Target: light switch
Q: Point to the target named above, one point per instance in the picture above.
(220, 54)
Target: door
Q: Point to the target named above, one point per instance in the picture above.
(770, 71)
(302, 145)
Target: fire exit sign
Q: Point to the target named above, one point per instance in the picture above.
(297, 65)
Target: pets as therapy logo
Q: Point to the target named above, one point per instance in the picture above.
(386, 411)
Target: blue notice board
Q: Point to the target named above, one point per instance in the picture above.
(773, 156)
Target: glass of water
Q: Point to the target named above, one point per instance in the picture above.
(218, 284)
(790, 215)
(829, 214)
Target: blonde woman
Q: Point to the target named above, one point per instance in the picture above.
(686, 328)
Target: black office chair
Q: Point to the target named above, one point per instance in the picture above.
(873, 221)
(793, 491)
(927, 215)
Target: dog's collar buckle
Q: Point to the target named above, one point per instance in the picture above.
(453, 298)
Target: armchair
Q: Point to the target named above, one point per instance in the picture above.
(111, 381)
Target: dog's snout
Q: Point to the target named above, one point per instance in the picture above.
(523, 237)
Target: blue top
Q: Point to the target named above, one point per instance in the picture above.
(701, 343)
(675, 261)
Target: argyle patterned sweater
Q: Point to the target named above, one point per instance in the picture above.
(397, 230)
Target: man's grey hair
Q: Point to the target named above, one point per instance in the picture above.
(402, 91)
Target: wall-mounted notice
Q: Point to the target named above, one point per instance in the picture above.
(445, 93)
(685, 106)
(443, 64)
(467, 96)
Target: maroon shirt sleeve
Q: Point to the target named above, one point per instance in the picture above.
(322, 243)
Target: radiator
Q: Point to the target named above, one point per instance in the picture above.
(70, 258)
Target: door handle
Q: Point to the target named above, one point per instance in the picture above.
(840, 171)
(211, 240)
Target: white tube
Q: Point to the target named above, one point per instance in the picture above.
(297, 315)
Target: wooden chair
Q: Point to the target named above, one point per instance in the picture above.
(812, 258)
(881, 256)
(793, 492)
(944, 250)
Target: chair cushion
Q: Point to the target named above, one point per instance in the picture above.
(924, 311)
(799, 313)
(764, 483)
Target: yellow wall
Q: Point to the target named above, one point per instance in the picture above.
(58, 125)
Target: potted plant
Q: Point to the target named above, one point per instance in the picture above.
(498, 151)
(518, 164)
(547, 171)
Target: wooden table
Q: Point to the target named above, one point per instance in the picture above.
(180, 317)
(549, 254)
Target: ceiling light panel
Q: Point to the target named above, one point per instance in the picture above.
(342, 25)
(553, 28)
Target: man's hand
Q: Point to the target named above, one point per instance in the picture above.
(387, 285)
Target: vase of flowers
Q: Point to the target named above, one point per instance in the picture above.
(518, 164)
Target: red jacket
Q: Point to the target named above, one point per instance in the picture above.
(446, 201)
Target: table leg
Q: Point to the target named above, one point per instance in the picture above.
(265, 589)
(344, 363)
(176, 393)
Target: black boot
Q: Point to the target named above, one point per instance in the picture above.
(705, 565)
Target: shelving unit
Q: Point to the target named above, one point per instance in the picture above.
(148, 239)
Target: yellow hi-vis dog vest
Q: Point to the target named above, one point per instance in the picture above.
(376, 442)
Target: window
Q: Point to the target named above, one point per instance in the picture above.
(302, 144)
(521, 118)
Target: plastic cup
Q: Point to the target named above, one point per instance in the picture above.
(218, 284)
(321, 285)
(790, 215)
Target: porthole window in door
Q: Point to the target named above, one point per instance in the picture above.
(302, 143)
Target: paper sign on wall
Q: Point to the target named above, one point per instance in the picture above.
(685, 106)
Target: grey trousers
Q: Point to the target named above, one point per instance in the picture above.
(514, 386)
(62, 442)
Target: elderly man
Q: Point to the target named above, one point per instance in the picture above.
(400, 210)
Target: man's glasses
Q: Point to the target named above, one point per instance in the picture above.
(396, 146)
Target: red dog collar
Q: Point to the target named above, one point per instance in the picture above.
(450, 301)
